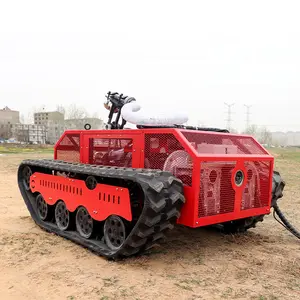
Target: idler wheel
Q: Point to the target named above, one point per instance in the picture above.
(27, 172)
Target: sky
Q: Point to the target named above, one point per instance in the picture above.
(184, 55)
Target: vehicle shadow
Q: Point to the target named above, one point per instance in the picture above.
(193, 246)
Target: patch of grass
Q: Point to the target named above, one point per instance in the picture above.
(25, 149)
(294, 285)
(191, 281)
(227, 293)
(261, 297)
(184, 287)
(292, 267)
(198, 259)
(272, 297)
(171, 276)
(124, 293)
(286, 153)
(186, 284)
(151, 282)
(110, 281)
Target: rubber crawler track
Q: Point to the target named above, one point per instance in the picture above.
(242, 225)
(163, 200)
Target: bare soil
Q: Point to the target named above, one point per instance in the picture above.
(191, 264)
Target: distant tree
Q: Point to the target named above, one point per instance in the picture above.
(265, 136)
(95, 115)
(233, 130)
(61, 109)
(262, 134)
(75, 112)
(252, 130)
(22, 119)
(276, 143)
(30, 118)
(39, 108)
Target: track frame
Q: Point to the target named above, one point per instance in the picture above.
(162, 202)
(101, 202)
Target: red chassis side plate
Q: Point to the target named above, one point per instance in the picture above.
(103, 201)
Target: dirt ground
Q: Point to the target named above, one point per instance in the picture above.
(191, 264)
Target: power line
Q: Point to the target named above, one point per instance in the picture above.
(247, 115)
(229, 115)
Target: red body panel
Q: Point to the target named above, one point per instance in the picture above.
(103, 201)
(206, 162)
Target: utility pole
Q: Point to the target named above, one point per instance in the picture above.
(229, 113)
(247, 115)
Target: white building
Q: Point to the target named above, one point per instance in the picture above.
(8, 116)
(55, 129)
(29, 133)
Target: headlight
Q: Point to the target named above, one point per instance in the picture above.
(239, 178)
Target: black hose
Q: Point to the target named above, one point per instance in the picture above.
(277, 193)
(285, 223)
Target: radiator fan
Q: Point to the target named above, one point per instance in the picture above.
(179, 163)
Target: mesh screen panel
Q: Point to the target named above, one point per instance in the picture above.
(69, 156)
(222, 143)
(256, 192)
(69, 148)
(70, 140)
(164, 152)
(111, 152)
(216, 193)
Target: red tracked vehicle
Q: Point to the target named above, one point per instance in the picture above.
(118, 191)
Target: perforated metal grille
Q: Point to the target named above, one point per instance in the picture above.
(68, 188)
(69, 148)
(111, 152)
(164, 152)
(216, 193)
(216, 143)
(257, 190)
